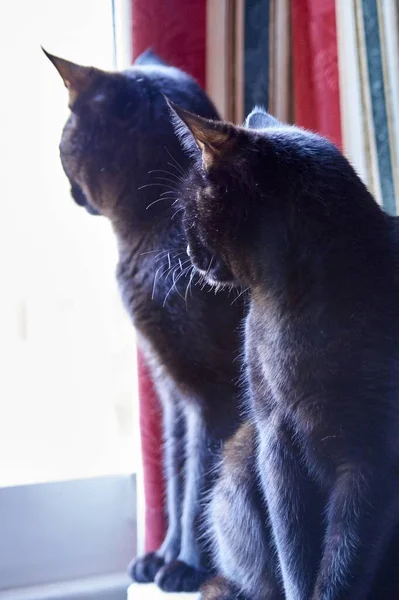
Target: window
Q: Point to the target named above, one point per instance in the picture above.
(68, 383)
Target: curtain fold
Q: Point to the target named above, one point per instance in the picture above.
(176, 30)
(315, 66)
(151, 451)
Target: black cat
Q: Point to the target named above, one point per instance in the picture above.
(120, 154)
(280, 211)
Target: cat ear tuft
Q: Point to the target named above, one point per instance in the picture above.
(258, 118)
(76, 78)
(212, 138)
(149, 58)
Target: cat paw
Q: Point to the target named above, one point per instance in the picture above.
(145, 568)
(177, 576)
(219, 588)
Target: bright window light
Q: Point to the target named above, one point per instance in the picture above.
(67, 354)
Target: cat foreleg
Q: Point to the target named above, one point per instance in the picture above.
(145, 568)
(295, 510)
(362, 514)
(189, 570)
(244, 551)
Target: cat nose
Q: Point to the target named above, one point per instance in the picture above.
(188, 250)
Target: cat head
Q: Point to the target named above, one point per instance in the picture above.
(118, 129)
(255, 190)
(101, 105)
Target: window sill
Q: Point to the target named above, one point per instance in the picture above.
(138, 591)
(66, 531)
(111, 587)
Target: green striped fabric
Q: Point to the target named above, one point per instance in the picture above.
(378, 96)
(256, 53)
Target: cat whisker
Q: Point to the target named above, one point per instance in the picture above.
(152, 251)
(161, 256)
(156, 202)
(188, 288)
(182, 274)
(240, 294)
(166, 179)
(147, 185)
(174, 167)
(174, 200)
(176, 163)
(177, 177)
(184, 262)
(209, 266)
(167, 271)
(204, 283)
(170, 267)
(177, 211)
(174, 281)
(169, 192)
(181, 253)
(155, 281)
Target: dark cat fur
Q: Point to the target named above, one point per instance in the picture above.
(280, 211)
(120, 153)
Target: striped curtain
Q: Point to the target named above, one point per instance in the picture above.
(368, 34)
(331, 66)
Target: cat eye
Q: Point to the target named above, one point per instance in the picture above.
(188, 250)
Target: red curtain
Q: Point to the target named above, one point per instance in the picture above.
(151, 436)
(315, 61)
(176, 30)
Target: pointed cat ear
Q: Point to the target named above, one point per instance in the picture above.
(260, 119)
(213, 138)
(75, 77)
(149, 58)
